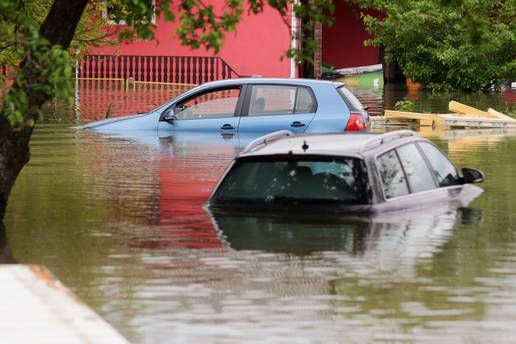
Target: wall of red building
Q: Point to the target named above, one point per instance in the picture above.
(343, 43)
(256, 48)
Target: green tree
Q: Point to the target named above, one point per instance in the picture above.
(90, 29)
(36, 35)
(447, 44)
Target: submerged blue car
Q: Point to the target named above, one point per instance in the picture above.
(250, 105)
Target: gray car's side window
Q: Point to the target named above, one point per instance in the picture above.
(280, 100)
(393, 179)
(444, 171)
(218, 103)
(416, 169)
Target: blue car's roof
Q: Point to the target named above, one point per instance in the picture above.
(259, 80)
(256, 80)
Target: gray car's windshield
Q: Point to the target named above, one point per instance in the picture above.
(290, 179)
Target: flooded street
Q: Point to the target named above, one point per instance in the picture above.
(120, 222)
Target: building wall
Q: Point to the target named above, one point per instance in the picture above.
(343, 43)
(256, 48)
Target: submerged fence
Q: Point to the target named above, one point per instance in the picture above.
(114, 85)
(190, 70)
(99, 99)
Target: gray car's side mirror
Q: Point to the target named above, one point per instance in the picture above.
(472, 175)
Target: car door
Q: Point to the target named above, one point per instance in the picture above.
(272, 107)
(416, 170)
(444, 171)
(406, 179)
(213, 110)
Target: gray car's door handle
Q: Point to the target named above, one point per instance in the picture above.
(227, 127)
(297, 124)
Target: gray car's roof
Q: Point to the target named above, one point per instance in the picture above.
(347, 144)
(339, 144)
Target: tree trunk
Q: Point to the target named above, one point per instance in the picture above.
(58, 28)
(307, 69)
(14, 154)
(6, 256)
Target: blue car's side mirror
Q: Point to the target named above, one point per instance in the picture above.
(168, 115)
(472, 175)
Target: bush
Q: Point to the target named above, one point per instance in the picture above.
(447, 45)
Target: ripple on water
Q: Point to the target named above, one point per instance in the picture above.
(124, 224)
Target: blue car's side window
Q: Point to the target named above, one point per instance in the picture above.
(214, 104)
(304, 101)
(280, 100)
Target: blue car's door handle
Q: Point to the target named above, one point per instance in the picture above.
(227, 127)
(297, 124)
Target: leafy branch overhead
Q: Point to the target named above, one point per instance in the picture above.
(447, 44)
(50, 66)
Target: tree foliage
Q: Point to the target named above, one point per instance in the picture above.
(21, 40)
(17, 16)
(448, 44)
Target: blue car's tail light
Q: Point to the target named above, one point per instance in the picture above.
(356, 122)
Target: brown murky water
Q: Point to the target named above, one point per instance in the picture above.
(120, 221)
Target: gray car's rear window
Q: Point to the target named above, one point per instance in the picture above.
(294, 180)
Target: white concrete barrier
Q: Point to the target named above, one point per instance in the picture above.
(36, 308)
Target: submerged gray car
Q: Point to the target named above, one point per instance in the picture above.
(364, 173)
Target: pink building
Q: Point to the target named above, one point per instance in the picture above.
(256, 48)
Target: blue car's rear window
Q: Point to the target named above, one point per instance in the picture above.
(349, 98)
(294, 180)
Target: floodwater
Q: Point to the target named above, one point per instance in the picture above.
(120, 222)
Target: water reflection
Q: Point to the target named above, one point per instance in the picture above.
(389, 239)
(426, 101)
(120, 221)
(182, 168)
(183, 143)
(185, 179)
